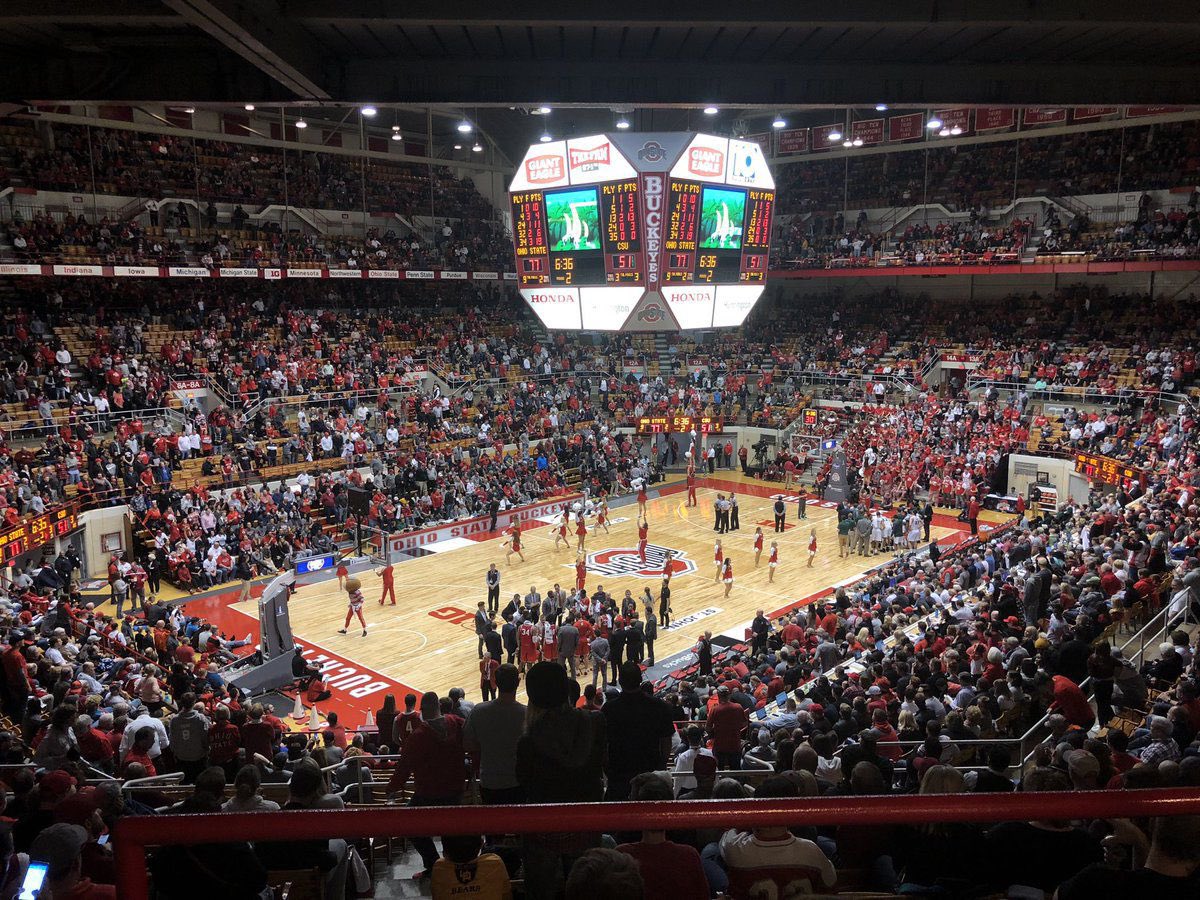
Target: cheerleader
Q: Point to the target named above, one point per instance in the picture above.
(561, 531)
(643, 538)
(514, 543)
(812, 547)
(758, 545)
(718, 558)
(666, 572)
(772, 562)
(355, 597)
(580, 532)
(641, 496)
(580, 572)
(602, 515)
(727, 575)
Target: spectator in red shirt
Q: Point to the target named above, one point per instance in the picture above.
(93, 744)
(258, 736)
(668, 869)
(338, 731)
(726, 722)
(139, 753)
(224, 741)
(1070, 701)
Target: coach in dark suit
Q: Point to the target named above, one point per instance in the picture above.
(780, 514)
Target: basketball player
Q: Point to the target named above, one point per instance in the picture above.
(560, 533)
(727, 575)
(602, 515)
(514, 543)
(581, 532)
(772, 562)
(583, 650)
(758, 545)
(549, 641)
(355, 597)
(389, 584)
(812, 547)
(643, 538)
(528, 649)
(641, 496)
(718, 558)
(580, 571)
(691, 485)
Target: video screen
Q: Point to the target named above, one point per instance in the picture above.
(573, 218)
(722, 212)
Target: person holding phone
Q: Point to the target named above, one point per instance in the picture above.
(58, 849)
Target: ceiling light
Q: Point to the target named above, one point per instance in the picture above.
(397, 136)
(934, 124)
(881, 107)
(835, 135)
(368, 111)
(780, 122)
(395, 128)
(956, 130)
(847, 143)
(478, 148)
(464, 127)
(857, 142)
(300, 123)
(545, 138)
(189, 109)
(458, 146)
(711, 110)
(249, 107)
(945, 132)
(622, 123)
(542, 111)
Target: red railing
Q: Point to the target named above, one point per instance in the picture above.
(133, 835)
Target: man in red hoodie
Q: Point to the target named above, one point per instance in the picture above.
(434, 756)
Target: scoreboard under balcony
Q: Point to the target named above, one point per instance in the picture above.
(642, 232)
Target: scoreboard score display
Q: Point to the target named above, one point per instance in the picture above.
(680, 424)
(642, 232)
(1107, 470)
(37, 532)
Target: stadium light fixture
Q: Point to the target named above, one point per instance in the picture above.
(847, 143)
(857, 142)
(395, 128)
(189, 110)
(956, 130)
(397, 136)
(464, 127)
(780, 121)
(711, 110)
(458, 146)
(478, 148)
(542, 111)
(368, 111)
(622, 123)
(881, 107)
(934, 124)
(545, 138)
(249, 107)
(835, 135)
(945, 132)
(300, 123)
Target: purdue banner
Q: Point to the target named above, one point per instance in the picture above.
(836, 490)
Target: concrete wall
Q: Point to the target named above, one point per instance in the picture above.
(96, 523)
(1069, 484)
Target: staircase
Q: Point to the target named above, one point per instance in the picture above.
(666, 362)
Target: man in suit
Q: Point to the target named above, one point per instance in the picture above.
(635, 642)
(483, 621)
(780, 513)
(493, 586)
(759, 629)
(508, 635)
(568, 643)
(616, 649)
(651, 633)
(704, 654)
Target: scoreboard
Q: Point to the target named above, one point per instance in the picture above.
(1107, 470)
(680, 424)
(37, 532)
(642, 232)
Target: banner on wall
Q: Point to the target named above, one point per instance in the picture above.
(906, 128)
(794, 140)
(1044, 115)
(994, 118)
(869, 131)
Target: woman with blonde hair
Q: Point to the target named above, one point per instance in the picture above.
(938, 856)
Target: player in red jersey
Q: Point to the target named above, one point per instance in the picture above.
(527, 644)
(602, 515)
(643, 538)
(772, 561)
(514, 543)
(812, 547)
(549, 641)
(691, 486)
(389, 584)
(560, 531)
(355, 597)
(581, 532)
(580, 572)
(718, 558)
(758, 545)
(727, 575)
(583, 650)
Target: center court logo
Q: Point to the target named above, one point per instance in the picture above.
(624, 561)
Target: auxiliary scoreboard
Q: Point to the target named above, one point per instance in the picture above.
(642, 232)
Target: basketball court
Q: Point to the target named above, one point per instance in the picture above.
(427, 641)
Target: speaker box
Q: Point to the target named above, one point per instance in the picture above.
(360, 501)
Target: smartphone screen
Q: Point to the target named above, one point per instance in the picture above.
(34, 876)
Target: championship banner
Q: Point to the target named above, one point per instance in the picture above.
(994, 118)
(869, 131)
(1136, 112)
(1092, 113)
(1043, 115)
(820, 137)
(906, 128)
(794, 140)
(762, 138)
(958, 117)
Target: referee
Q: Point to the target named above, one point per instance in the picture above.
(780, 512)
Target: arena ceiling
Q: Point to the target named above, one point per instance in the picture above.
(619, 51)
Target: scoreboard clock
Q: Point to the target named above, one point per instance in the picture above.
(1107, 470)
(642, 232)
(680, 424)
(37, 532)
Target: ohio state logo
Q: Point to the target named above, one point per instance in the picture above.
(624, 561)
